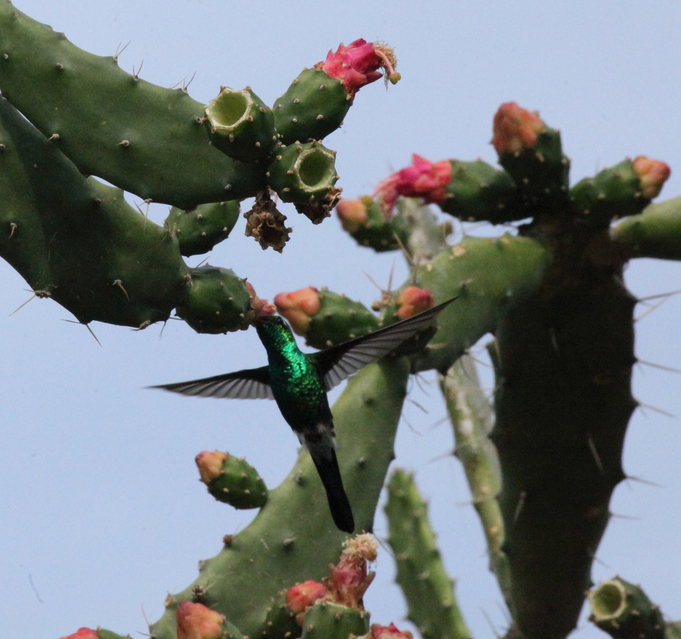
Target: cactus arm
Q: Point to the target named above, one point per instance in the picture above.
(77, 240)
(656, 232)
(292, 539)
(420, 572)
(471, 417)
(143, 138)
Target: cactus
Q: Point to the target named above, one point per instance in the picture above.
(541, 469)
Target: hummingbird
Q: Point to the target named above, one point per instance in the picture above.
(298, 382)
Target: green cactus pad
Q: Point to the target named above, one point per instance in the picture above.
(613, 193)
(216, 302)
(239, 485)
(541, 172)
(241, 125)
(280, 622)
(77, 241)
(107, 634)
(303, 173)
(143, 138)
(200, 229)
(420, 572)
(379, 233)
(331, 621)
(478, 191)
(623, 610)
(312, 107)
(338, 320)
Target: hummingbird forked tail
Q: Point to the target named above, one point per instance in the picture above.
(326, 463)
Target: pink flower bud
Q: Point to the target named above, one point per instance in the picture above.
(652, 174)
(425, 179)
(413, 300)
(515, 128)
(84, 633)
(196, 621)
(210, 465)
(301, 597)
(298, 307)
(357, 64)
(389, 632)
(350, 578)
(261, 307)
(352, 214)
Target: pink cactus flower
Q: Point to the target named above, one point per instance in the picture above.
(425, 179)
(261, 307)
(301, 597)
(652, 173)
(357, 64)
(210, 465)
(515, 128)
(389, 632)
(84, 633)
(352, 214)
(196, 621)
(298, 307)
(413, 300)
(350, 578)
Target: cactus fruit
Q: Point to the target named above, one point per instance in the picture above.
(327, 620)
(241, 125)
(142, 138)
(196, 621)
(365, 221)
(319, 98)
(217, 301)
(420, 572)
(199, 230)
(100, 633)
(231, 480)
(280, 622)
(623, 610)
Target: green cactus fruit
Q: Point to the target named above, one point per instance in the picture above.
(143, 138)
(280, 622)
(478, 191)
(76, 240)
(364, 220)
(623, 610)
(338, 320)
(107, 634)
(217, 301)
(241, 125)
(532, 154)
(312, 107)
(200, 229)
(235, 482)
(614, 193)
(420, 572)
(333, 621)
(303, 173)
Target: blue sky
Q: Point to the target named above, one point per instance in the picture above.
(101, 506)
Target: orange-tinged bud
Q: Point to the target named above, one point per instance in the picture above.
(413, 300)
(196, 621)
(298, 307)
(210, 465)
(515, 128)
(652, 174)
(302, 596)
(352, 214)
(84, 633)
(389, 632)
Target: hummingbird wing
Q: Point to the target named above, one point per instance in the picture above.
(252, 383)
(339, 362)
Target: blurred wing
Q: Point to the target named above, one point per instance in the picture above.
(339, 362)
(253, 383)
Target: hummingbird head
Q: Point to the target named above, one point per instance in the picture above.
(273, 330)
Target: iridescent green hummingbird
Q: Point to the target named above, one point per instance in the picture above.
(298, 382)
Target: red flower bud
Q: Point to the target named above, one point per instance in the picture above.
(352, 214)
(298, 307)
(196, 621)
(357, 64)
(413, 300)
(210, 465)
(425, 179)
(84, 633)
(301, 597)
(652, 174)
(389, 632)
(515, 128)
